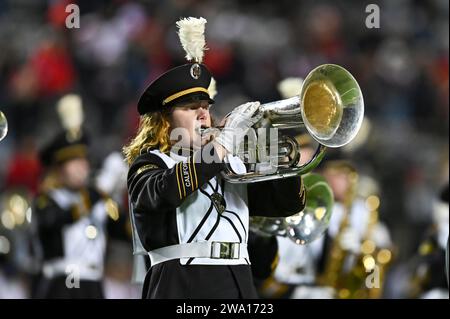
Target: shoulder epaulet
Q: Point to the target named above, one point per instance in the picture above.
(146, 162)
(112, 208)
(146, 167)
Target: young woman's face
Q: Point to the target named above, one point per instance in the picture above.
(188, 119)
(75, 173)
(339, 182)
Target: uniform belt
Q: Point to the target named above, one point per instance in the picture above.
(206, 249)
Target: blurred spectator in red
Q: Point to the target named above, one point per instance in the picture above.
(57, 14)
(219, 59)
(24, 168)
(53, 67)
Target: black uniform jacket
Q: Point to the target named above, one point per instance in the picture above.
(154, 192)
(51, 219)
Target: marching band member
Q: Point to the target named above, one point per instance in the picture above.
(301, 267)
(72, 217)
(192, 223)
(356, 233)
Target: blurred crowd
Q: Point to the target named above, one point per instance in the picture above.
(122, 45)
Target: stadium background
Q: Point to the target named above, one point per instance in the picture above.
(402, 69)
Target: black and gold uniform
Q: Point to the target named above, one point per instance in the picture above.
(175, 206)
(192, 223)
(72, 226)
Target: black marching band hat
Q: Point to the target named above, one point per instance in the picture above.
(62, 149)
(72, 142)
(185, 83)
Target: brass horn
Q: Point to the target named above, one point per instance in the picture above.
(329, 105)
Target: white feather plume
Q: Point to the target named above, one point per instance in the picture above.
(290, 87)
(192, 36)
(70, 111)
(212, 89)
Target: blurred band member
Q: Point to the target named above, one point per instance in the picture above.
(71, 216)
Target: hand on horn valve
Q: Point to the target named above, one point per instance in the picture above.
(237, 124)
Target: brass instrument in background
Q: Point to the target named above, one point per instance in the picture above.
(3, 126)
(308, 224)
(336, 256)
(352, 280)
(329, 105)
(371, 255)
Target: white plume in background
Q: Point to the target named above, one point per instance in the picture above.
(70, 112)
(290, 87)
(192, 36)
(212, 89)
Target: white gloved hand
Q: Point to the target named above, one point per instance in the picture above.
(112, 178)
(350, 240)
(237, 124)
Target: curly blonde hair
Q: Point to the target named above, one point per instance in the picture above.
(153, 132)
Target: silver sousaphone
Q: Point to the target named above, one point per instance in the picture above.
(329, 105)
